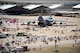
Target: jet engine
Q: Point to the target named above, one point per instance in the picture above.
(60, 22)
(54, 22)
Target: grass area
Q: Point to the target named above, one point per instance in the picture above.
(62, 49)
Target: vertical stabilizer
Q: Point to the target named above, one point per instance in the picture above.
(40, 19)
(50, 13)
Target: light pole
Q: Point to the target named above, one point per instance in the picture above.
(55, 49)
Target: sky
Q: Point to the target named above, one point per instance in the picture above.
(43, 1)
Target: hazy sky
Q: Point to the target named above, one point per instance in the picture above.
(44, 1)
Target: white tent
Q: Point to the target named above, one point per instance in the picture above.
(19, 48)
(67, 12)
(55, 6)
(76, 6)
(5, 33)
(2, 35)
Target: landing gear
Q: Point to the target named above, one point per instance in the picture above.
(54, 22)
(41, 24)
(48, 23)
(60, 23)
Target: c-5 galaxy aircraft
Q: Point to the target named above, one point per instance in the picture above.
(49, 21)
(46, 22)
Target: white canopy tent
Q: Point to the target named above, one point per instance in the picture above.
(55, 6)
(5, 33)
(67, 12)
(76, 6)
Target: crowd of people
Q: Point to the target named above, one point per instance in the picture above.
(44, 38)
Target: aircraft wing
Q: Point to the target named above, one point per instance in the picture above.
(31, 21)
(63, 21)
(52, 20)
(47, 18)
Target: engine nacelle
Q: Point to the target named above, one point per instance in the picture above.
(33, 22)
(60, 22)
(41, 24)
(54, 22)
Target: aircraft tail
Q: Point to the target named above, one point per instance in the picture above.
(40, 19)
(50, 13)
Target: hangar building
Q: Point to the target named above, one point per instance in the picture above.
(13, 9)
